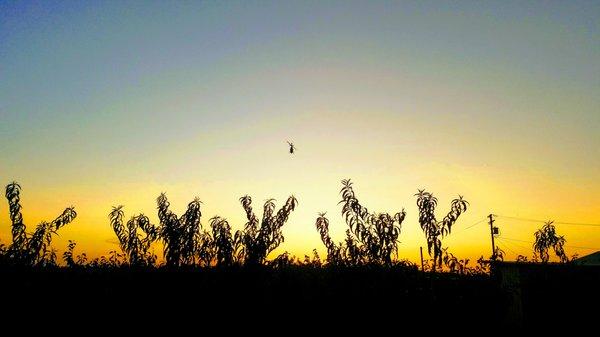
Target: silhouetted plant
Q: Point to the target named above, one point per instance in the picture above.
(224, 244)
(115, 259)
(546, 238)
(375, 234)
(50, 258)
(482, 267)
(314, 262)
(32, 249)
(428, 265)
(522, 258)
(436, 230)
(453, 263)
(68, 254)
(184, 243)
(19, 237)
(498, 254)
(371, 237)
(133, 244)
(257, 242)
(3, 253)
(99, 262)
(71, 260)
(205, 249)
(334, 251)
(282, 260)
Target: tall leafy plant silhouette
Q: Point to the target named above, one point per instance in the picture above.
(184, 241)
(135, 237)
(546, 238)
(335, 252)
(436, 230)
(226, 247)
(32, 249)
(258, 239)
(370, 238)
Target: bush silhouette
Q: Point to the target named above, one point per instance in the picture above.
(436, 230)
(186, 244)
(71, 260)
(257, 241)
(184, 241)
(546, 238)
(224, 245)
(32, 249)
(371, 238)
(132, 243)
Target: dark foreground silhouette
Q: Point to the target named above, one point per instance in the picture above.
(268, 292)
(292, 294)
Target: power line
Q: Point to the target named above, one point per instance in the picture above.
(580, 247)
(471, 226)
(515, 246)
(505, 244)
(517, 240)
(518, 245)
(555, 222)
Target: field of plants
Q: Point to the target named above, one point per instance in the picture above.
(230, 271)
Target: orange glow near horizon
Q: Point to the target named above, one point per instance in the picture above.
(486, 195)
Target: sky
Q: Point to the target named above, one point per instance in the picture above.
(105, 103)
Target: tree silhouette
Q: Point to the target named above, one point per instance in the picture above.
(546, 238)
(258, 241)
(184, 242)
(436, 230)
(225, 247)
(133, 244)
(334, 251)
(34, 249)
(371, 237)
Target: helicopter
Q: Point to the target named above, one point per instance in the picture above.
(292, 147)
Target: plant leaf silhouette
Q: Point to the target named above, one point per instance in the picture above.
(546, 238)
(34, 249)
(184, 242)
(370, 238)
(133, 243)
(436, 230)
(258, 241)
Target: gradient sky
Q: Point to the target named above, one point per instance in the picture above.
(107, 103)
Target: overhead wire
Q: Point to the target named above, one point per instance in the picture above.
(554, 222)
(471, 226)
(568, 246)
(505, 244)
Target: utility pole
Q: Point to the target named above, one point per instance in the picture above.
(422, 269)
(491, 217)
